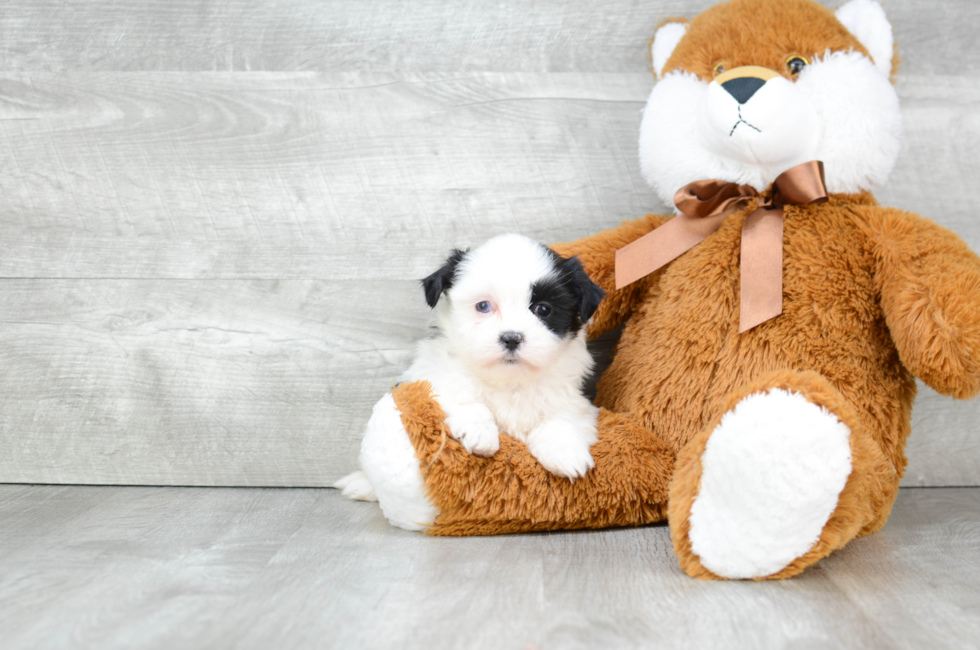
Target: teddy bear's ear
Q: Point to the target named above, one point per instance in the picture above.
(664, 41)
(866, 20)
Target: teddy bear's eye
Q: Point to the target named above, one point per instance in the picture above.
(719, 68)
(796, 64)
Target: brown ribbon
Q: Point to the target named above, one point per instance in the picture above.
(703, 206)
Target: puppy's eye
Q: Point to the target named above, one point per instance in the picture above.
(542, 310)
(484, 307)
(718, 69)
(796, 64)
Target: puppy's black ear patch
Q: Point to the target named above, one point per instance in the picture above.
(440, 281)
(587, 291)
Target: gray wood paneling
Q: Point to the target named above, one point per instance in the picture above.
(549, 36)
(353, 176)
(222, 382)
(206, 272)
(239, 568)
(542, 36)
(350, 176)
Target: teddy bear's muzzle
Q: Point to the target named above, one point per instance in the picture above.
(752, 115)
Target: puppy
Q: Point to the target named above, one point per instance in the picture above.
(507, 354)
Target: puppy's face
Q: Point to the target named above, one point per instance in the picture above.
(512, 305)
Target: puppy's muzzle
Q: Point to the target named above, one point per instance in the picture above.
(511, 340)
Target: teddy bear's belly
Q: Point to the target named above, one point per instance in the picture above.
(681, 354)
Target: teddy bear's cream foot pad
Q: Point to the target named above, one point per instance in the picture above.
(772, 472)
(390, 465)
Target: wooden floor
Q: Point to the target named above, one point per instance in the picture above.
(128, 567)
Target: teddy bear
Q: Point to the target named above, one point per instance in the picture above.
(760, 394)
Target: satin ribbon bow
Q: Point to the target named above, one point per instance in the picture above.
(703, 206)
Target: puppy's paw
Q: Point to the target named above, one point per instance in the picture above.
(563, 447)
(473, 425)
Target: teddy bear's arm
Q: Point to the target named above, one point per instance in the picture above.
(598, 255)
(930, 292)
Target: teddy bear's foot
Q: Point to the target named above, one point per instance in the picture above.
(425, 480)
(785, 476)
(392, 471)
(356, 486)
(771, 475)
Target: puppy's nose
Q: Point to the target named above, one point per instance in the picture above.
(743, 82)
(511, 340)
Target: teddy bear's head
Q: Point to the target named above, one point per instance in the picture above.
(750, 88)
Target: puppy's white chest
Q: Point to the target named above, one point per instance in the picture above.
(517, 411)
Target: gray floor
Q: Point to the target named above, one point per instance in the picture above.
(123, 567)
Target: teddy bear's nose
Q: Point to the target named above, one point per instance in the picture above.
(742, 88)
(744, 81)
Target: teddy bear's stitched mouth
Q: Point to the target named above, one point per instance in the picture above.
(741, 121)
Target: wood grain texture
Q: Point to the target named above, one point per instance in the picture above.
(212, 213)
(549, 36)
(185, 382)
(544, 36)
(354, 176)
(193, 568)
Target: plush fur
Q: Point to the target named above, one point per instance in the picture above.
(872, 298)
(512, 493)
(741, 527)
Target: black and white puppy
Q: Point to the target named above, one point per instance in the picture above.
(508, 355)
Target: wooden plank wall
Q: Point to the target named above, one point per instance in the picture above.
(213, 214)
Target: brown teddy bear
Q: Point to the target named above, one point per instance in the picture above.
(760, 394)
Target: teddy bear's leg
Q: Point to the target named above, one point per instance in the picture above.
(425, 480)
(783, 476)
(392, 471)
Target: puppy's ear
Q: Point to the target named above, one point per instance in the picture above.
(587, 291)
(441, 280)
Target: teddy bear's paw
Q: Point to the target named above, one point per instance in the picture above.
(391, 468)
(562, 448)
(772, 472)
(356, 486)
(473, 425)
